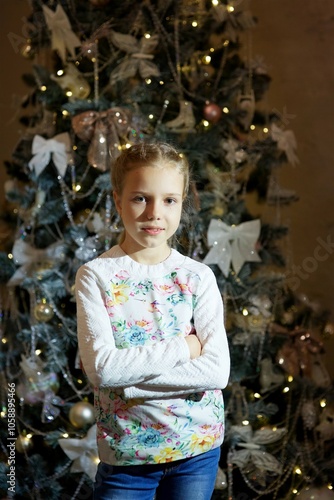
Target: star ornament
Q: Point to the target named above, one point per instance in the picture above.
(83, 452)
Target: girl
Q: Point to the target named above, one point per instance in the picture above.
(152, 341)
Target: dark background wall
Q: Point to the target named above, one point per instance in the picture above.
(295, 40)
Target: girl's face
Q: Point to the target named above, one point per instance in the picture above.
(150, 206)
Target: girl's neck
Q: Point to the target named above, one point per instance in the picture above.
(148, 256)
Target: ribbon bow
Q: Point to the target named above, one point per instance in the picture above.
(58, 148)
(104, 130)
(140, 53)
(26, 256)
(62, 35)
(286, 142)
(301, 355)
(83, 452)
(253, 444)
(234, 244)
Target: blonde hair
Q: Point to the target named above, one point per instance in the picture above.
(145, 154)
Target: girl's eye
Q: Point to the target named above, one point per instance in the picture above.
(140, 199)
(170, 201)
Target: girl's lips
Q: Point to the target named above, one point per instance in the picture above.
(153, 230)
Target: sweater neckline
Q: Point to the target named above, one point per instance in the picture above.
(124, 261)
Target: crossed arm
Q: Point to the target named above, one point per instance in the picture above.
(172, 367)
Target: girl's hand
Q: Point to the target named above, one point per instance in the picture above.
(194, 346)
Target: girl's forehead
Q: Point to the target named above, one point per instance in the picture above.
(155, 177)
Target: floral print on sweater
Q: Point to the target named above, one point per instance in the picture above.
(142, 313)
(153, 404)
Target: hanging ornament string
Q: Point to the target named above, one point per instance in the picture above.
(164, 36)
(65, 200)
(95, 61)
(220, 72)
(96, 204)
(177, 57)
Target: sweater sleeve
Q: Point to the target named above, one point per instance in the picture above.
(212, 368)
(104, 364)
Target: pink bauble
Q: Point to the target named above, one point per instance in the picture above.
(322, 493)
(212, 112)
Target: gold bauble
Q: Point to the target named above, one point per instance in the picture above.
(23, 443)
(81, 414)
(43, 311)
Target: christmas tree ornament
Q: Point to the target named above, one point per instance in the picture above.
(245, 104)
(43, 311)
(328, 331)
(269, 377)
(32, 390)
(58, 149)
(138, 59)
(234, 153)
(253, 447)
(185, 120)
(73, 82)
(62, 37)
(83, 452)
(288, 358)
(319, 372)
(237, 407)
(309, 414)
(23, 443)
(88, 248)
(286, 142)
(232, 244)
(325, 429)
(31, 259)
(81, 414)
(221, 480)
(278, 195)
(51, 404)
(212, 112)
(105, 130)
(36, 378)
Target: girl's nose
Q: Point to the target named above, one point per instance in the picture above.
(153, 211)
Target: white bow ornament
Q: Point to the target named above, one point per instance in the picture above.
(25, 255)
(232, 244)
(58, 148)
(62, 36)
(83, 452)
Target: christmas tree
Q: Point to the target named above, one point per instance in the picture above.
(107, 74)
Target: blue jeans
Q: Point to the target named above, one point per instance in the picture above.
(188, 479)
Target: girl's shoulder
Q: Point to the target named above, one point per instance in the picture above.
(102, 261)
(196, 267)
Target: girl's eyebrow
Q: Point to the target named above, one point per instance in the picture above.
(149, 194)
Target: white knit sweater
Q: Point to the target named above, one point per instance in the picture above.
(132, 320)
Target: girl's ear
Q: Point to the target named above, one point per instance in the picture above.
(117, 201)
